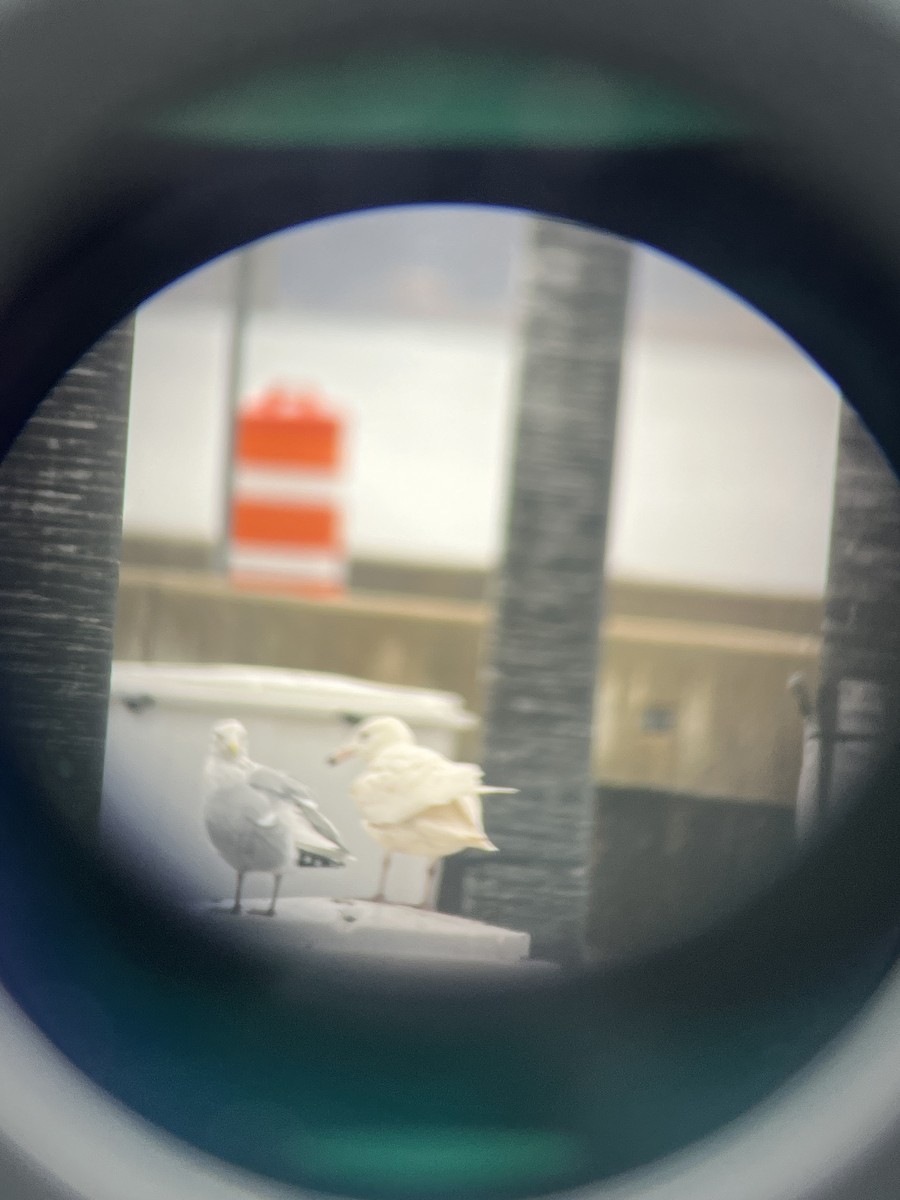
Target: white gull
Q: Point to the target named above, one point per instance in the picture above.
(413, 800)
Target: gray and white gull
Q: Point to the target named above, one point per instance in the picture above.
(260, 819)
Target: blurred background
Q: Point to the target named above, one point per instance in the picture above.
(407, 338)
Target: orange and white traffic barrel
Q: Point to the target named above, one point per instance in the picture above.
(287, 520)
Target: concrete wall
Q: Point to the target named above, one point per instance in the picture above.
(700, 709)
(693, 701)
(665, 866)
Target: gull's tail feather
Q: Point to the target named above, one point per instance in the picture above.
(497, 791)
(307, 859)
(483, 843)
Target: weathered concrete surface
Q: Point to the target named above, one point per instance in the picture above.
(387, 932)
(624, 597)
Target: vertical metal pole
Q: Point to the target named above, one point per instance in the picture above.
(242, 302)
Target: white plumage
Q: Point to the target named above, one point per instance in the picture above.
(260, 819)
(413, 800)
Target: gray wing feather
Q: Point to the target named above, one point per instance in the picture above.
(278, 784)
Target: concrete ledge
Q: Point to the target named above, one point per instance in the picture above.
(382, 931)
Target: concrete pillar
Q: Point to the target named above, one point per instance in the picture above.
(859, 696)
(60, 533)
(545, 645)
